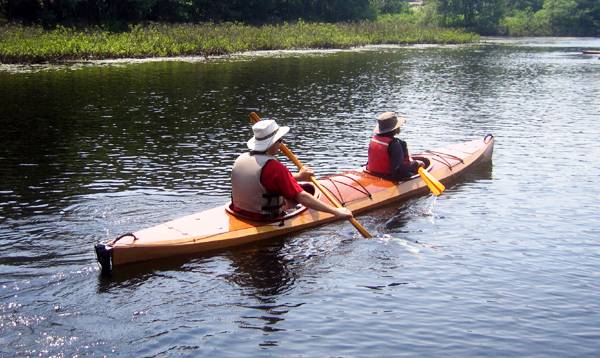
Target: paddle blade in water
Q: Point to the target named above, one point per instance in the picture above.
(436, 187)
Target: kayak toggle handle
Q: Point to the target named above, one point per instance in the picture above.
(122, 236)
(487, 138)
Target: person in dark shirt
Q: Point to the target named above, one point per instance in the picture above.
(388, 156)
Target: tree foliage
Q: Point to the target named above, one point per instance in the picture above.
(522, 17)
(390, 6)
(134, 11)
(512, 17)
(479, 15)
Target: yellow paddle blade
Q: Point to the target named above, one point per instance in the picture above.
(438, 184)
(434, 185)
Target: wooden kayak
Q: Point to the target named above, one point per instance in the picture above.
(218, 228)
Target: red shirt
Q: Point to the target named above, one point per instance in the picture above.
(277, 178)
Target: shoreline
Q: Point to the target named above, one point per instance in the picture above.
(83, 63)
(243, 55)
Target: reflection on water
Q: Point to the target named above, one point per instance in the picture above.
(95, 151)
(264, 275)
(263, 271)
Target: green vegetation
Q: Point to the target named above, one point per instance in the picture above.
(520, 17)
(34, 44)
(554, 17)
(486, 17)
(122, 12)
(94, 29)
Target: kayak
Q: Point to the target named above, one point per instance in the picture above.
(220, 228)
(591, 52)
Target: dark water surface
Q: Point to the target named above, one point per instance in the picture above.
(505, 263)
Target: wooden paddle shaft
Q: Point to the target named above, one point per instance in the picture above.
(323, 190)
(255, 118)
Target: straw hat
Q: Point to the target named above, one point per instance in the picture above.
(388, 122)
(266, 133)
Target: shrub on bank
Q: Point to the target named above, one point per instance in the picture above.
(24, 44)
(526, 23)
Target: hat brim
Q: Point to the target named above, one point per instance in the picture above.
(263, 145)
(399, 124)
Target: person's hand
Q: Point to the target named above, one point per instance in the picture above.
(305, 173)
(343, 213)
(417, 164)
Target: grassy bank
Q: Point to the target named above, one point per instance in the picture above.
(20, 44)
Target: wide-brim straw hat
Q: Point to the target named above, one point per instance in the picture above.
(266, 133)
(388, 122)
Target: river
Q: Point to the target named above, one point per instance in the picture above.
(505, 263)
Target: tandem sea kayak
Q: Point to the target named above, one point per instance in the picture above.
(219, 228)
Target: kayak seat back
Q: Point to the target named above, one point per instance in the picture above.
(289, 212)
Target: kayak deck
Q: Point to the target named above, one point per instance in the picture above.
(217, 228)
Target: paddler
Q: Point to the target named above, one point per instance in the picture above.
(260, 184)
(388, 156)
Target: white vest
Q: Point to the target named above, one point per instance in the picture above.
(247, 192)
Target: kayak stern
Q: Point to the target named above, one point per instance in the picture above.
(104, 256)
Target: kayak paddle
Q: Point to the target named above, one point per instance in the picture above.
(255, 118)
(434, 185)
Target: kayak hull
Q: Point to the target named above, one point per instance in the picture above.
(216, 228)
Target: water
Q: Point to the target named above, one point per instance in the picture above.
(505, 263)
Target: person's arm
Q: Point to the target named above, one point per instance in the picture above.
(414, 164)
(277, 178)
(399, 169)
(304, 174)
(311, 202)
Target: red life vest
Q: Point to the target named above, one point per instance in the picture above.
(379, 156)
